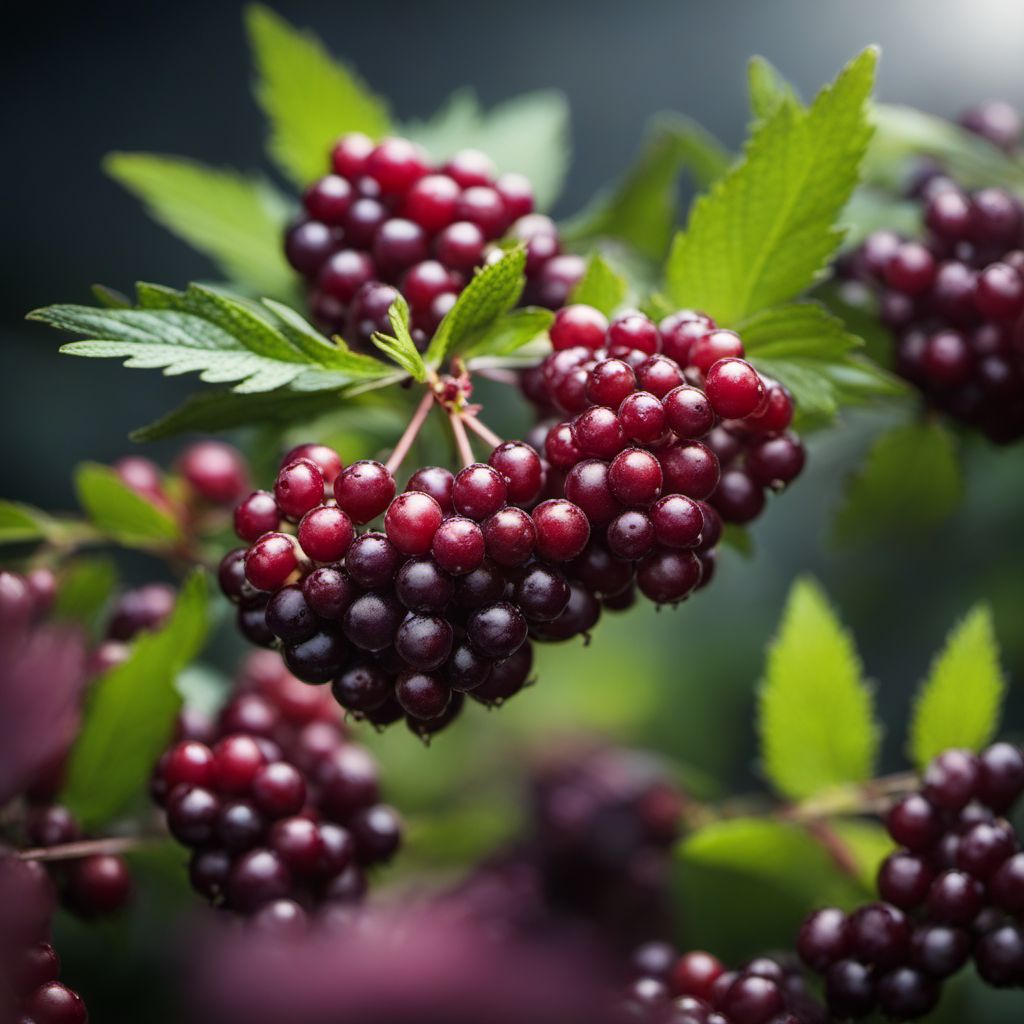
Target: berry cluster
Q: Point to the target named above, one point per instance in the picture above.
(595, 854)
(953, 891)
(384, 220)
(696, 988)
(666, 431)
(280, 809)
(954, 304)
(29, 965)
(997, 121)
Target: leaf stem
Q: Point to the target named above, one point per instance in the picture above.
(461, 438)
(405, 442)
(88, 848)
(481, 430)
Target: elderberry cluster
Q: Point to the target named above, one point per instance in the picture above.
(952, 893)
(696, 988)
(954, 304)
(281, 810)
(670, 432)
(385, 221)
(29, 965)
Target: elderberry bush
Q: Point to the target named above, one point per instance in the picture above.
(280, 809)
(385, 222)
(952, 893)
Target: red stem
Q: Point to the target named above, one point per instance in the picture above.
(483, 431)
(405, 442)
(461, 439)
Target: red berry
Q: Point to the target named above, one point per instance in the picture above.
(431, 202)
(256, 515)
(348, 157)
(633, 331)
(715, 345)
(411, 521)
(328, 199)
(520, 466)
(479, 491)
(734, 388)
(562, 529)
(325, 533)
(395, 164)
(635, 477)
(470, 167)
(270, 561)
(298, 488)
(216, 471)
(578, 325)
(458, 545)
(364, 490)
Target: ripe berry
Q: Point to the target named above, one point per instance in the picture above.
(822, 940)
(54, 1003)
(411, 521)
(308, 244)
(955, 898)
(325, 534)
(630, 535)
(775, 461)
(738, 498)
(256, 515)
(906, 993)
(377, 831)
(216, 471)
(458, 545)
(677, 521)
(364, 490)
(635, 477)
(424, 642)
(715, 345)
(588, 487)
(951, 779)
(470, 167)
(665, 576)
(422, 695)
(734, 388)
(270, 561)
(999, 956)
(329, 591)
(915, 823)
(257, 878)
(578, 325)
(642, 417)
(691, 469)
(904, 880)
(479, 491)
(192, 814)
(541, 593)
(371, 621)
(435, 481)
(279, 790)
(849, 989)
(497, 630)
(520, 466)
(299, 487)
(373, 560)
(509, 536)
(483, 206)
(688, 411)
(460, 246)
(431, 202)
(562, 529)
(609, 382)
(939, 949)
(633, 332)
(879, 935)
(395, 164)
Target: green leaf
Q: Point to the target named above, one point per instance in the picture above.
(815, 710)
(528, 134)
(131, 710)
(511, 332)
(493, 291)
(220, 337)
(309, 98)
(119, 512)
(910, 481)
(399, 346)
(813, 354)
(959, 705)
(601, 286)
(85, 587)
(780, 856)
(766, 230)
(641, 210)
(903, 133)
(768, 89)
(739, 539)
(235, 220)
(212, 411)
(22, 522)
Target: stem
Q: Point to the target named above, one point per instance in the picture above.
(832, 843)
(499, 375)
(87, 848)
(409, 436)
(461, 439)
(483, 431)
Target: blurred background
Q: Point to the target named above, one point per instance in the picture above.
(88, 79)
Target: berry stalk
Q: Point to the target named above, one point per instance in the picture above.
(408, 438)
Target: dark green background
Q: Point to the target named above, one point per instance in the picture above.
(80, 81)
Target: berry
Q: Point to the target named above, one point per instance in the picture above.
(695, 973)
(666, 576)
(879, 935)
(216, 471)
(509, 536)
(395, 164)
(635, 477)
(270, 561)
(578, 325)
(325, 533)
(906, 993)
(364, 490)
(424, 642)
(411, 521)
(431, 202)
(562, 529)
(497, 630)
(823, 938)
(915, 823)
(951, 779)
(734, 388)
(677, 520)
(691, 469)
(478, 491)
(520, 466)
(904, 880)
(999, 956)
(256, 515)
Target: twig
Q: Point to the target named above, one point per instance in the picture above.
(461, 438)
(483, 431)
(87, 848)
(405, 442)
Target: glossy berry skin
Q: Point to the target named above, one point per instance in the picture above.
(270, 561)
(915, 823)
(906, 993)
(215, 471)
(364, 490)
(695, 973)
(423, 696)
(999, 956)
(775, 461)
(849, 989)
(325, 533)
(940, 950)
(665, 576)
(643, 418)
(299, 487)
(955, 898)
(691, 469)
(458, 545)
(498, 630)
(411, 521)
(520, 466)
(256, 515)
(677, 521)
(562, 529)
(879, 934)
(709, 348)
(99, 885)
(734, 388)
(688, 412)
(633, 332)
(478, 491)
(54, 1003)
(951, 780)
(578, 326)
(509, 537)
(823, 939)
(904, 880)
(424, 642)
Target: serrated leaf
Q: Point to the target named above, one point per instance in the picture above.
(766, 230)
(85, 587)
(768, 89)
(119, 512)
(910, 481)
(528, 134)
(399, 346)
(508, 334)
(903, 133)
(493, 291)
(815, 709)
(959, 704)
(601, 286)
(309, 98)
(641, 210)
(219, 336)
(813, 354)
(336, 354)
(235, 220)
(22, 522)
(216, 410)
(131, 710)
